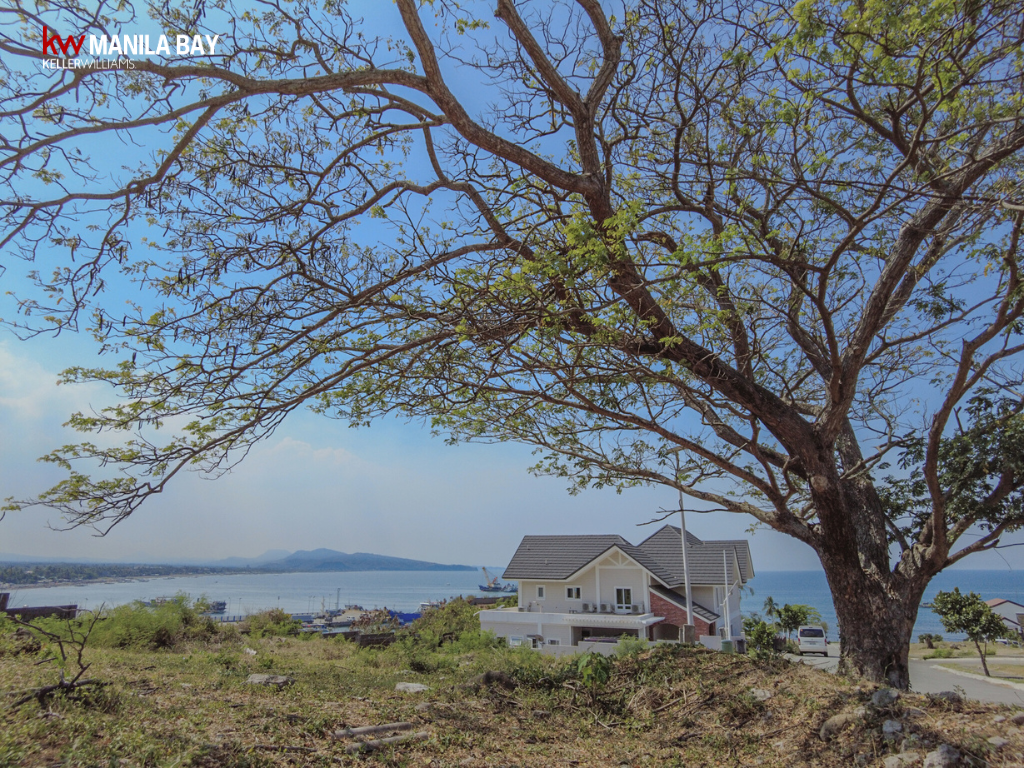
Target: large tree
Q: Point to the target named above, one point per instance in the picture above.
(749, 250)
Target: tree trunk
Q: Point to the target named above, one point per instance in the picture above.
(981, 653)
(876, 622)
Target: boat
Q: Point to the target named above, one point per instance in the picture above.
(217, 606)
(493, 585)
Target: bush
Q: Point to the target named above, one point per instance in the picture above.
(272, 623)
(143, 627)
(593, 669)
(630, 646)
(760, 640)
(940, 653)
(455, 624)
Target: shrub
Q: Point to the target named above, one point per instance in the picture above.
(593, 669)
(760, 640)
(272, 623)
(929, 639)
(151, 628)
(629, 645)
(940, 653)
(454, 624)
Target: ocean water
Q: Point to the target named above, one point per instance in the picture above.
(292, 592)
(405, 590)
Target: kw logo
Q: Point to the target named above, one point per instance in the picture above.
(52, 41)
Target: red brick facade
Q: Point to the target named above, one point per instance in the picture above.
(676, 616)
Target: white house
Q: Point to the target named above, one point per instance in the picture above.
(1010, 612)
(577, 590)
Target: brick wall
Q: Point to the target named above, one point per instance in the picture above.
(676, 616)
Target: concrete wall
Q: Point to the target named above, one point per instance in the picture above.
(555, 599)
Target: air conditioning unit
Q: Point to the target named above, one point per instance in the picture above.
(586, 607)
(604, 607)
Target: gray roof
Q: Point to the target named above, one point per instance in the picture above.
(676, 599)
(703, 558)
(559, 557)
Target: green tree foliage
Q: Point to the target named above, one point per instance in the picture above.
(791, 617)
(760, 639)
(970, 615)
(778, 241)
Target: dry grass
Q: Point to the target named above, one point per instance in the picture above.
(667, 707)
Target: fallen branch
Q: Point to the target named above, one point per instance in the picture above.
(42, 693)
(370, 746)
(366, 730)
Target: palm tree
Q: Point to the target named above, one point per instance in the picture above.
(771, 609)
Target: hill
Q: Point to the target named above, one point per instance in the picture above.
(480, 706)
(331, 560)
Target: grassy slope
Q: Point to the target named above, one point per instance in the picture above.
(667, 707)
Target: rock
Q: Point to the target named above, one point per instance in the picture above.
(1018, 719)
(248, 651)
(423, 706)
(943, 757)
(913, 712)
(760, 694)
(490, 679)
(999, 719)
(902, 760)
(885, 697)
(997, 742)
(861, 711)
(279, 680)
(891, 729)
(411, 687)
(831, 727)
(951, 696)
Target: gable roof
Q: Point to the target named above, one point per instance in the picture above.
(680, 602)
(704, 559)
(999, 601)
(559, 557)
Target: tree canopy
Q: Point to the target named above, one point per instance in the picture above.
(972, 616)
(780, 240)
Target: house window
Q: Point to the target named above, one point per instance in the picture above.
(540, 592)
(623, 598)
(573, 593)
(515, 641)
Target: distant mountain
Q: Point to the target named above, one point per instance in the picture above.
(270, 556)
(330, 560)
(271, 560)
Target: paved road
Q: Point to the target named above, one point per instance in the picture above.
(926, 677)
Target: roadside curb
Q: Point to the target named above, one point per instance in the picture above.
(993, 680)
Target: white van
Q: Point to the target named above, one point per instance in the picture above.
(811, 640)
